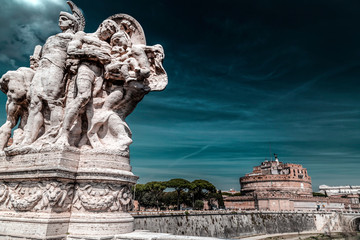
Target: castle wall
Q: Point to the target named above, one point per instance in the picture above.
(236, 224)
(276, 204)
(244, 203)
(283, 202)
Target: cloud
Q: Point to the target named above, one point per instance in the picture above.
(193, 153)
(25, 24)
(5, 59)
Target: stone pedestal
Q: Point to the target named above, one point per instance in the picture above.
(58, 193)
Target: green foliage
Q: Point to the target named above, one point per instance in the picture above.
(156, 190)
(155, 186)
(179, 185)
(190, 194)
(199, 205)
(169, 198)
(139, 194)
(217, 196)
(149, 194)
(201, 185)
(220, 200)
(200, 190)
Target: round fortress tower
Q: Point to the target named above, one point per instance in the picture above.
(274, 177)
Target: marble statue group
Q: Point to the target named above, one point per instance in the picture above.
(81, 86)
(66, 172)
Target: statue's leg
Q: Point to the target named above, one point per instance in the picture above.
(12, 111)
(35, 120)
(84, 81)
(5, 133)
(55, 87)
(56, 115)
(120, 131)
(113, 99)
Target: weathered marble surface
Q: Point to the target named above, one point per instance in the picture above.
(81, 86)
(67, 171)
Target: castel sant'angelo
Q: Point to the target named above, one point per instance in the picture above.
(274, 177)
(274, 185)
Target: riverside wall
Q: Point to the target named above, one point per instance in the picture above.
(223, 224)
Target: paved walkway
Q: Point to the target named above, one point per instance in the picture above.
(289, 235)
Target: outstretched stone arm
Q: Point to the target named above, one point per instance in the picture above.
(90, 48)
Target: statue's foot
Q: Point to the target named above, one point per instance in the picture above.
(62, 141)
(14, 150)
(10, 147)
(86, 147)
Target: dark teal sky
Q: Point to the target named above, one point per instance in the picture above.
(242, 75)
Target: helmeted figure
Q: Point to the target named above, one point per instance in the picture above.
(47, 88)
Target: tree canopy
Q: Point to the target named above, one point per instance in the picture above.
(152, 195)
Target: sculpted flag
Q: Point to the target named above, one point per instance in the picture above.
(81, 86)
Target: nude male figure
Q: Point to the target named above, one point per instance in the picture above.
(47, 86)
(93, 50)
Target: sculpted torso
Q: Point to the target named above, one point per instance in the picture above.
(55, 48)
(48, 81)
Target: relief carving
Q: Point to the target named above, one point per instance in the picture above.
(59, 197)
(4, 193)
(24, 197)
(30, 196)
(55, 196)
(102, 197)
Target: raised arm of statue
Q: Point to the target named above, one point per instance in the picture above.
(35, 58)
(85, 46)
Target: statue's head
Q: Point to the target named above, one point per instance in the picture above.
(120, 38)
(15, 83)
(68, 21)
(106, 29)
(4, 81)
(74, 22)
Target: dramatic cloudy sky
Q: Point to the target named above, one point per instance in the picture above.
(243, 76)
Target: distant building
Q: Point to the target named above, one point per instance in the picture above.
(277, 186)
(231, 191)
(339, 190)
(278, 178)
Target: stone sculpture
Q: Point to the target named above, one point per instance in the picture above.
(67, 171)
(82, 86)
